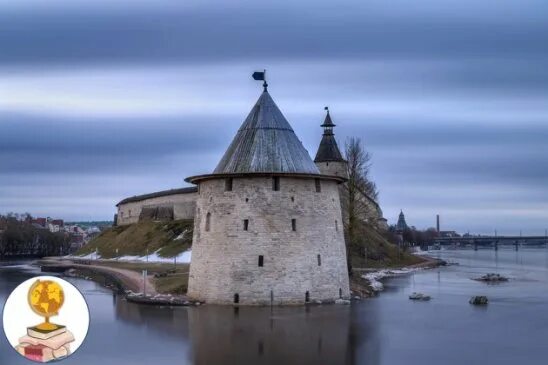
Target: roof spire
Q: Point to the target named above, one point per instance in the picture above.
(327, 123)
(328, 150)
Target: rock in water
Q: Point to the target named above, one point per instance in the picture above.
(492, 278)
(479, 300)
(419, 296)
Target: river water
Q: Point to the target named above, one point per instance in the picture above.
(388, 329)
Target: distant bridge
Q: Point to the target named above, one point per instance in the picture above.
(494, 241)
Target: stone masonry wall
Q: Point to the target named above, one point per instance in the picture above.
(184, 206)
(333, 168)
(225, 258)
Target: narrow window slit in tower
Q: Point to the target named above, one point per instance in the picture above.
(228, 184)
(236, 298)
(307, 297)
(246, 224)
(337, 225)
(340, 292)
(319, 260)
(276, 183)
(261, 260)
(294, 224)
(318, 185)
(208, 222)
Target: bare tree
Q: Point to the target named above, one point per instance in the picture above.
(357, 191)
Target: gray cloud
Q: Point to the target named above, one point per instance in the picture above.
(214, 33)
(101, 100)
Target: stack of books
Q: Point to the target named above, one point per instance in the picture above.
(45, 345)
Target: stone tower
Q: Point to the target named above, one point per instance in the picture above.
(268, 224)
(402, 224)
(328, 158)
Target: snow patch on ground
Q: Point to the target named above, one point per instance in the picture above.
(91, 256)
(181, 236)
(182, 258)
(375, 277)
(422, 253)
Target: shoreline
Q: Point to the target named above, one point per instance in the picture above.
(367, 283)
(125, 282)
(364, 283)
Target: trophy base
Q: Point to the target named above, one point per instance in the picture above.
(46, 326)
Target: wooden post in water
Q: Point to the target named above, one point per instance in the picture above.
(145, 283)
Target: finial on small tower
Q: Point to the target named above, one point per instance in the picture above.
(328, 123)
(258, 75)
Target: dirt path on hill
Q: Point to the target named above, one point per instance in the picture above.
(132, 280)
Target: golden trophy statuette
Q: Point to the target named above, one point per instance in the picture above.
(46, 298)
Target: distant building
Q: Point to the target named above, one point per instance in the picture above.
(58, 222)
(40, 222)
(448, 234)
(54, 228)
(402, 224)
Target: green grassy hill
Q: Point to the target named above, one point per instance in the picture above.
(369, 248)
(168, 238)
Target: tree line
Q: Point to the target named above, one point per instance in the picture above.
(19, 237)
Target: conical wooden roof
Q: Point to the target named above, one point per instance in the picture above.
(328, 150)
(266, 143)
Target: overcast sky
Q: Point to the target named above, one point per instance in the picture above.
(100, 100)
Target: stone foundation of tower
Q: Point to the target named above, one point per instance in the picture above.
(256, 246)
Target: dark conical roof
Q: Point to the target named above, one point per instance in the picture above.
(402, 224)
(266, 143)
(328, 150)
(328, 122)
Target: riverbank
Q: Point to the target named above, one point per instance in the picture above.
(166, 284)
(162, 285)
(367, 282)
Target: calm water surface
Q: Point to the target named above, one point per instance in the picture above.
(389, 329)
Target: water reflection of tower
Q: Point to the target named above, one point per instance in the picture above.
(283, 335)
(170, 322)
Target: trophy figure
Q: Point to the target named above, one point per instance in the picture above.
(46, 341)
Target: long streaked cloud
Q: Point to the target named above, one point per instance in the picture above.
(101, 100)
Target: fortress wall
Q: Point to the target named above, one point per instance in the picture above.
(225, 258)
(184, 206)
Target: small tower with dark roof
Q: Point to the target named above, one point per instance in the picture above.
(329, 158)
(402, 224)
(268, 224)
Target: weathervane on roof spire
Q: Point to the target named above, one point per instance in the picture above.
(258, 75)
